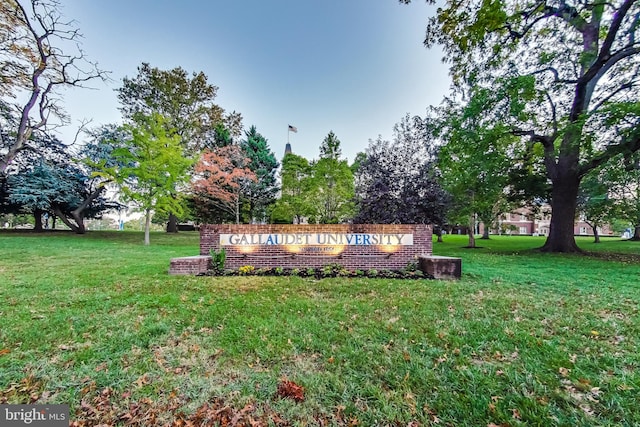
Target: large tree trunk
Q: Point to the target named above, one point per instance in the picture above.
(78, 217)
(66, 221)
(78, 213)
(596, 235)
(172, 224)
(636, 234)
(438, 233)
(471, 232)
(37, 216)
(147, 226)
(485, 232)
(563, 213)
(237, 209)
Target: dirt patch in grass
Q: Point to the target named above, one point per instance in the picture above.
(612, 256)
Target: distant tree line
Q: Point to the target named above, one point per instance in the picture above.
(543, 110)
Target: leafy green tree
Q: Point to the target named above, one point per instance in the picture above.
(40, 146)
(65, 191)
(474, 161)
(149, 167)
(330, 147)
(47, 178)
(38, 189)
(187, 103)
(261, 193)
(333, 191)
(594, 204)
(623, 177)
(222, 137)
(39, 55)
(360, 158)
(332, 184)
(569, 74)
(295, 202)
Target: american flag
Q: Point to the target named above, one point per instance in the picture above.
(293, 129)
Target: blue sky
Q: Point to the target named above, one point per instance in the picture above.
(352, 66)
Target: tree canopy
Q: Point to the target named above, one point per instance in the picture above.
(224, 179)
(261, 193)
(623, 179)
(148, 165)
(475, 161)
(398, 182)
(564, 77)
(332, 185)
(186, 101)
(295, 202)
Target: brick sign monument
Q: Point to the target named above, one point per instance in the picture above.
(353, 246)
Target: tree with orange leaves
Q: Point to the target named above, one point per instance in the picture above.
(223, 179)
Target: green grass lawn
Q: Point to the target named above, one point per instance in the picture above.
(523, 339)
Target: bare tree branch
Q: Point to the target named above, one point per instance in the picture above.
(623, 87)
(618, 17)
(37, 65)
(545, 140)
(629, 144)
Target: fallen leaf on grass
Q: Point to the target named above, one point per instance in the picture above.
(410, 399)
(143, 380)
(4, 351)
(587, 410)
(291, 390)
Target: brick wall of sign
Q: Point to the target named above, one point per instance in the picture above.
(191, 265)
(248, 244)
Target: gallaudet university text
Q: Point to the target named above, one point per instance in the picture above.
(316, 239)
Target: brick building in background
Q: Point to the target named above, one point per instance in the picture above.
(524, 221)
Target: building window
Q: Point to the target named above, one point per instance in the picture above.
(523, 217)
(523, 230)
(583, 230)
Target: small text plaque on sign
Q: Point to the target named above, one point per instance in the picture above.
(34, 415)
